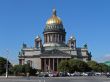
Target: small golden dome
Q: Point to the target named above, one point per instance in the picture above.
(54, 19)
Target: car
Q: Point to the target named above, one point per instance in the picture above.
(50, 75)
(72, 74)
(63, 74)
(84, 74)
(98, 74)
(43, 74)
(68, 74)
(76, 74)
(108, 74)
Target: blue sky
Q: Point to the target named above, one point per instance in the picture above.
(22, 20)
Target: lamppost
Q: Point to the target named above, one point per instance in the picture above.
(7, 65)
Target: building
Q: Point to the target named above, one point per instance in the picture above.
(107, 63)
(46, 56)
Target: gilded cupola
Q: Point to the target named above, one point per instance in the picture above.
(54, 19)
(54, 23)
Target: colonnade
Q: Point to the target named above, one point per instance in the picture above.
(54, 37)
(50, 64)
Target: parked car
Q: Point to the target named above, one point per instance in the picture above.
(63, 74)
(50, 75)
(76, 74)
(84, 74)
(108, 74)
(43, 74)
(68, 74)
(98, 74)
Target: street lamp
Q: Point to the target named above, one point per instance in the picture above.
(7, 65)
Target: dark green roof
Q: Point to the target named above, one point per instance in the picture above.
(107, 63)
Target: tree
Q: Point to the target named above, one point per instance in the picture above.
(18, 70)
(3, 62)
(103, 67)
(30, 70)
(78, 65)
(73, 65)
(108, 68)
(93, 65)
(23, 70)
(64, 66)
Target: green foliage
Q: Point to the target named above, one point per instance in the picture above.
(18, 69)
(103, 67)
(64, 66)
(94, 66)
(78, 65)
(23, 70)
(3, 62)
(98, 67)
(108, 68)
(73, 65)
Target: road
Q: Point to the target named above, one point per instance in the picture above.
(55, 79)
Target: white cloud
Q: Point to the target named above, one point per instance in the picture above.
(106, 57)
(102, 59)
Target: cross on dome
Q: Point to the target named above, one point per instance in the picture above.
(54, 12)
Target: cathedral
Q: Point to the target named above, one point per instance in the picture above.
(46, 55)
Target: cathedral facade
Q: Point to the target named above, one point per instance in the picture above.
(46, 56)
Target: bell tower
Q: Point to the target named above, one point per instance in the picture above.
(38, 42)
(72, 42)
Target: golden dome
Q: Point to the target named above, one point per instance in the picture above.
(54, 19)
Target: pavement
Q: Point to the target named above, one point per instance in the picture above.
(55, 79)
